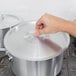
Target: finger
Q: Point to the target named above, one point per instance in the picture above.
(36, 33)
(39, 23)
(39, 32)
(41, 26)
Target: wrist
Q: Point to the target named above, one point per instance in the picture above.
(69, 27)
(65, 27)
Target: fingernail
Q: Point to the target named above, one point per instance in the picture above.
(36, 34)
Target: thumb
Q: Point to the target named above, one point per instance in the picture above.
(38, 32)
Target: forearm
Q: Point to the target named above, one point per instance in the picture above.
(70, 28)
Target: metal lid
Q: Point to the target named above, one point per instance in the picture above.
(7, 21)
(21, 43)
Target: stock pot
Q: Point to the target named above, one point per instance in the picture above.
(7, 21)
(35, 56)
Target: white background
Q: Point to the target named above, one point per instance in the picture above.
(33, 9)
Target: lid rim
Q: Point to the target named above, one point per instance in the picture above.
(35, 59)
(14, 16)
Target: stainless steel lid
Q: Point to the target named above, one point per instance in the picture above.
(21, 43)
(7, 21)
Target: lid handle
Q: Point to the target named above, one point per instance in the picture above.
(29, 36)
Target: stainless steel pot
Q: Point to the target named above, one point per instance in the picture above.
(7, 21)
(31, 56)
(49, 67)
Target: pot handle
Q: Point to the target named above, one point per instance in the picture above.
(9, 55)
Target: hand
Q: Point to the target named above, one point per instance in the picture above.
(49, 24)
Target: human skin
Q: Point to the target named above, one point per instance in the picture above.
(48, 24)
